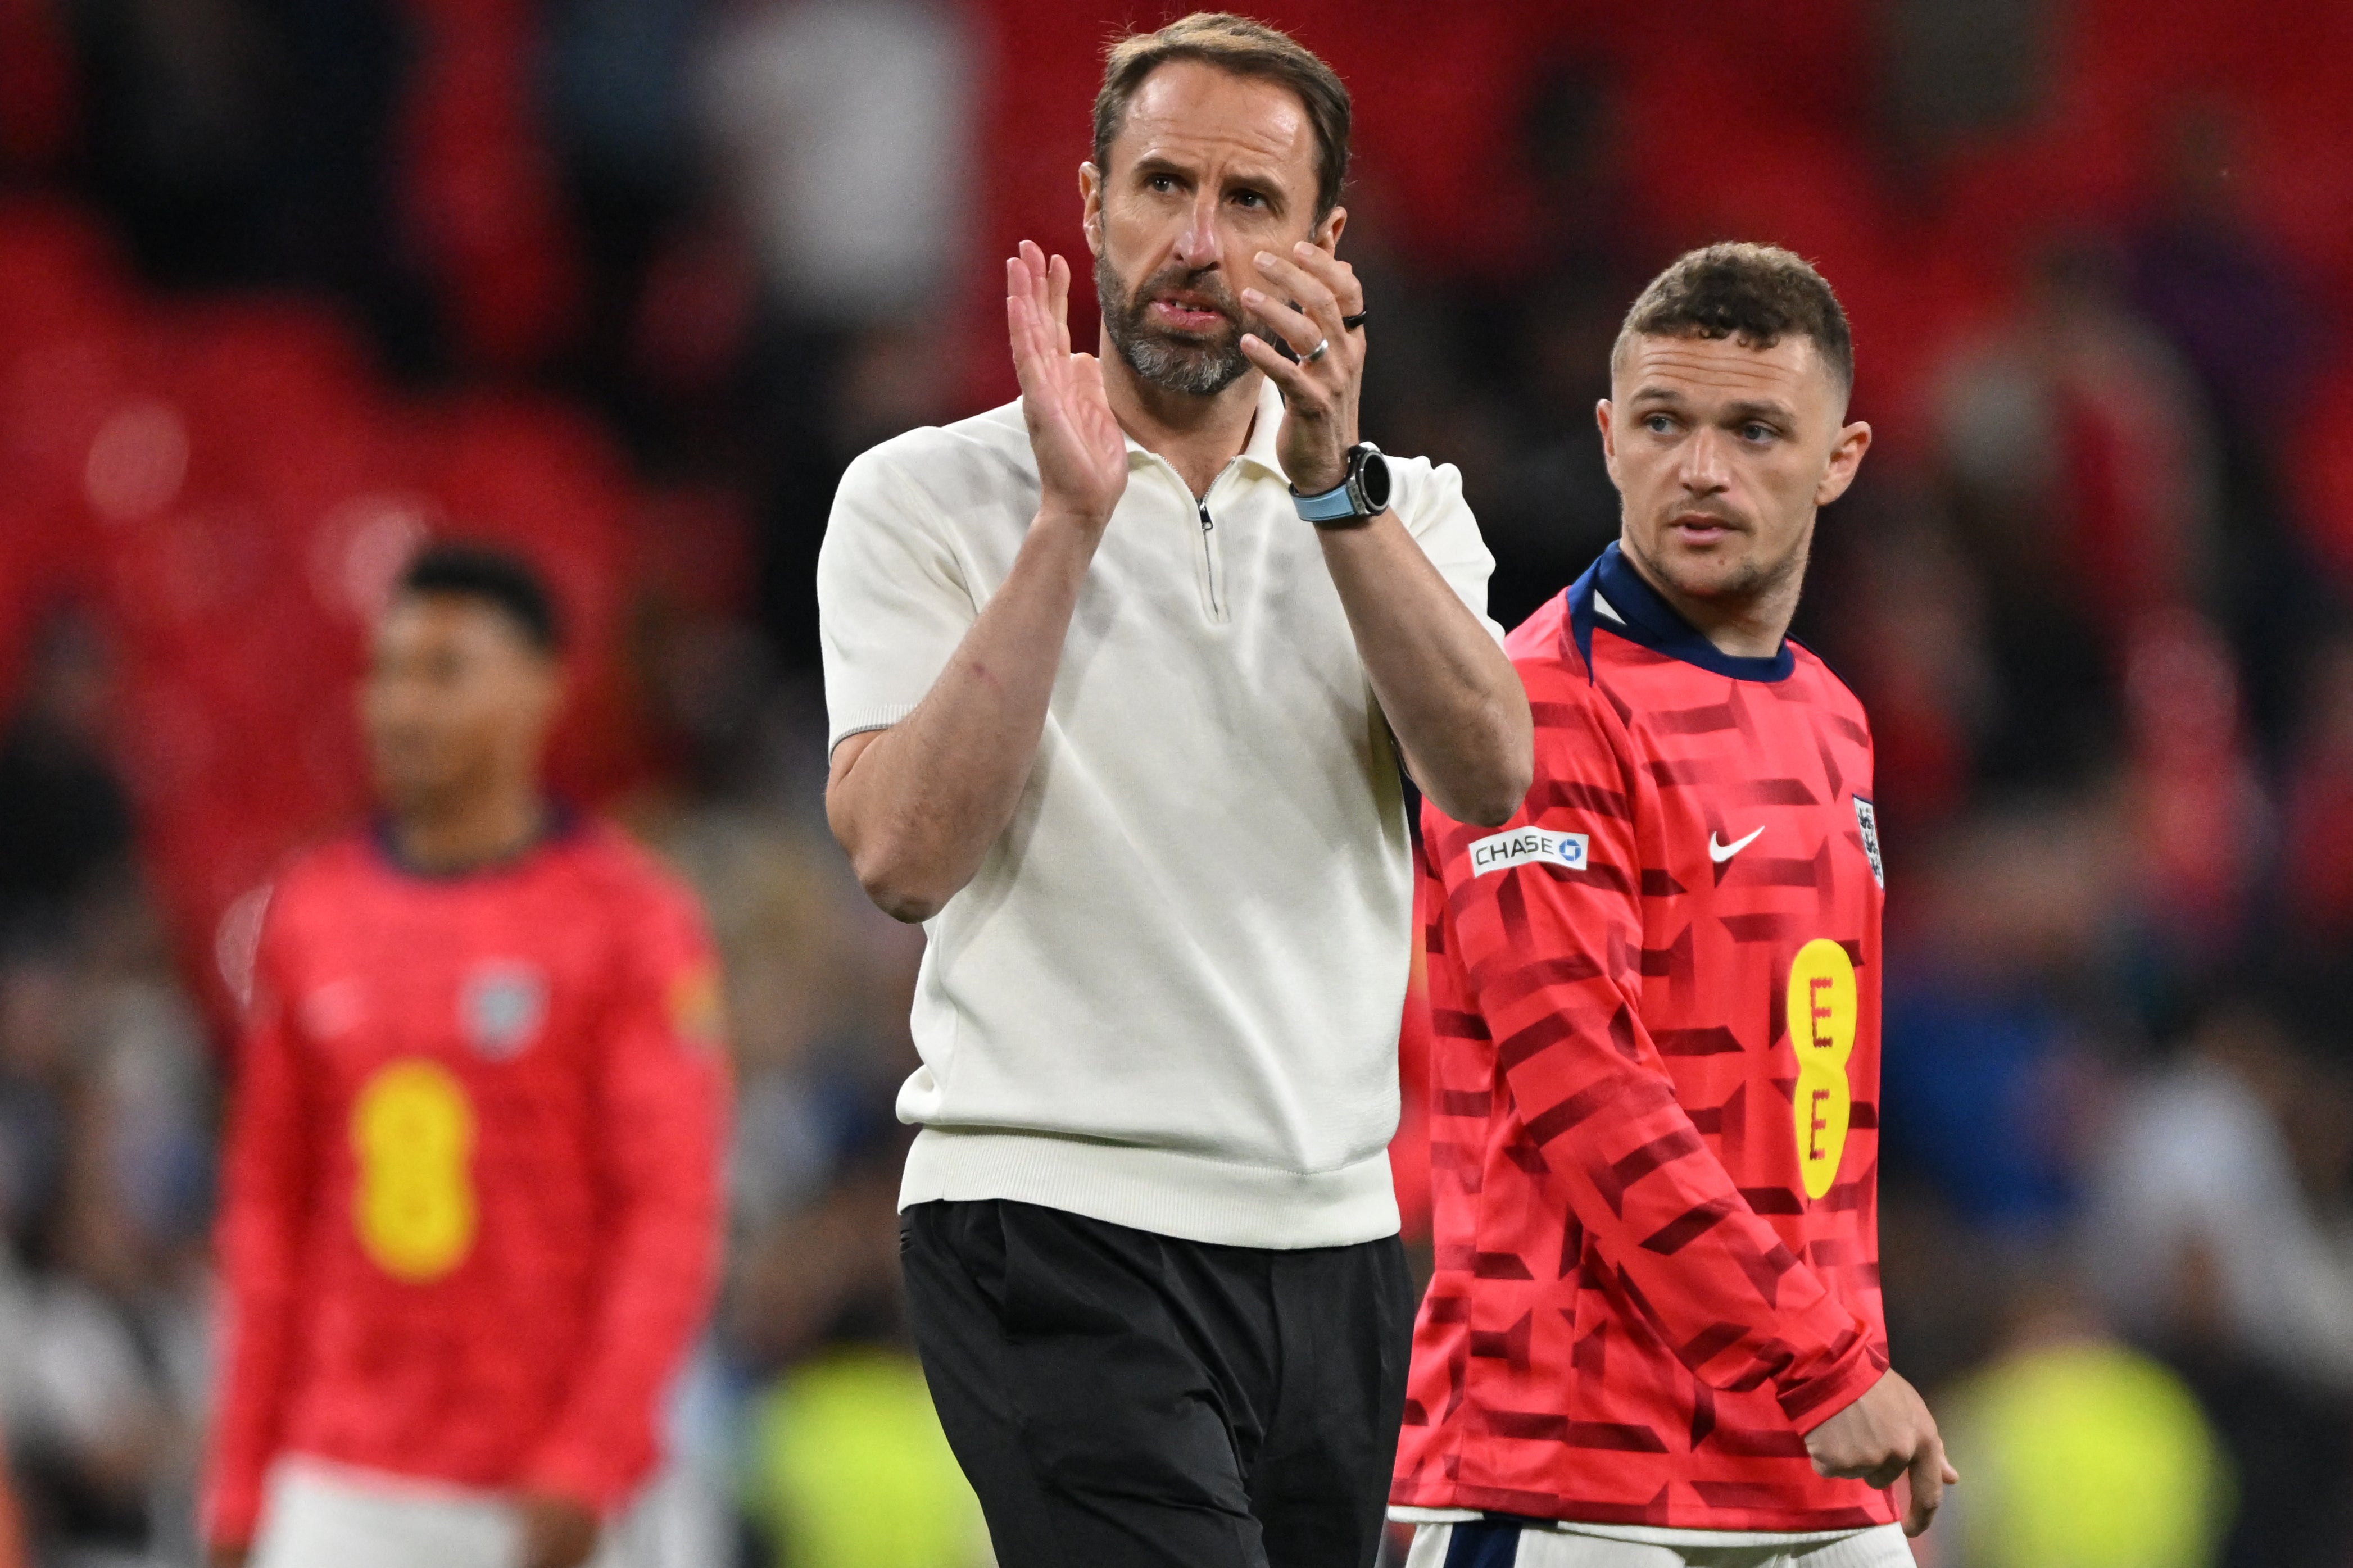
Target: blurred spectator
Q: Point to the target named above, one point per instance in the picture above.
(848, 1466)
(1987, 1052)
(64, 817)
(2205, 1224)
(101, 1354)
(845, 134)
(2079, 459)
(2217, 1231)
(845, 127)
(2077, 1452)
(2317, 864)
(850, 1469)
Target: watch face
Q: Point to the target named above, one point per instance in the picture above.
(1373, 480)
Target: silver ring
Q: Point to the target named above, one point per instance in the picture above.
(1312, 355)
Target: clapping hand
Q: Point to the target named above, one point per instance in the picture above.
(1081, 453)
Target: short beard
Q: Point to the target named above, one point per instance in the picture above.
(1751, 583)
(1198, 367)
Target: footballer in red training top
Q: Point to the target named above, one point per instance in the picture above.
(1654, 1332)
(472, 1198)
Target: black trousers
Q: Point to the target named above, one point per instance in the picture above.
(1121, 1399)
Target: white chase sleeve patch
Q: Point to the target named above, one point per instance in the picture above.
(1527, 846)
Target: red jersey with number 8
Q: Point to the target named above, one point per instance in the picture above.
(1653, 1085)
(472, 1190)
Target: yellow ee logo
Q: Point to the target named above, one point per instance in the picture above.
(412, 1132)
(1821, 1026)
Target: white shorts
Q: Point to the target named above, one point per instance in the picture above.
(1498, 1546)
(321, 1515)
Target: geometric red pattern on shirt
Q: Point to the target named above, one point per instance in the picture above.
(571, 996)
(1637, 1311)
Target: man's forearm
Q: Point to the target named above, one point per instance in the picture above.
(1452, 700)
(918, 804)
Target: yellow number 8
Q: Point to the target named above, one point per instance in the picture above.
(1821, 1026)
(413, 1130)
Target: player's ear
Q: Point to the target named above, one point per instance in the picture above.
(1091, 194)
(1846, 457)
(1326, 235)
(1601, 412)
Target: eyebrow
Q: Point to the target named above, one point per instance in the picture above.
(1737, 412)
(1765, 409)
(1266, 186)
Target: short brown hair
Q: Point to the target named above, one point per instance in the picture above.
(1753, 292)
(1243, 48)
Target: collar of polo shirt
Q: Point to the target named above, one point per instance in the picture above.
(1266, 430)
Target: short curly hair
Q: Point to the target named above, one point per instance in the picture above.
(1756, 293)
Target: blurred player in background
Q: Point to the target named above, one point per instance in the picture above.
(472, 1202)
(1654, 1337)
(1119, 678)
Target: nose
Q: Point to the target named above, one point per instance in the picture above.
(1705, 468)
(1198, 246)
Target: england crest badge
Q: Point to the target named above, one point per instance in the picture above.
(1868, 820)
(501, 1007)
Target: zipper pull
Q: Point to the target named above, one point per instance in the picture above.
(1202, 506)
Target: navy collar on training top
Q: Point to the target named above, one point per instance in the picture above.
(1612, 592)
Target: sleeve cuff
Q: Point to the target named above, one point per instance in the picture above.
(1810, 1403)
(874, 719)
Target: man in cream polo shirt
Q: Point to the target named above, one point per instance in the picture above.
(1120, 678)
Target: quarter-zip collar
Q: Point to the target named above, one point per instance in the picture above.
(1266, 429)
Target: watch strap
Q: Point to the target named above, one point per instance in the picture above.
(1335, 505)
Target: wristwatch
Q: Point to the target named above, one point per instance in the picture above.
(1362, 494)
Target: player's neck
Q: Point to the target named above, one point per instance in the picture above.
(1198, 436)
(1744, 626)
(463, 836)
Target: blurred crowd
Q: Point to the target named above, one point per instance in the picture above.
(2096, 587)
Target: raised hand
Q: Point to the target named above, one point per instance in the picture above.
(1081, 453)
(1321, 393)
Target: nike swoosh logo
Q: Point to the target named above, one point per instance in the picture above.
(1720, 852)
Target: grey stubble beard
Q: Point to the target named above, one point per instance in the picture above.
(1197, 368)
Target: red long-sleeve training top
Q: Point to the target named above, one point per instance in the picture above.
(1653, 1085)
(472, 1193)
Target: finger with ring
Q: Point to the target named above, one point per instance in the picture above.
(1316, 297)
(1298, 332)
(1312, 355)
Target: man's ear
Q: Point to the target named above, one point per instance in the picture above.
(1091, 206)
(1608, 439)
(1846, 457)
(1327, 233)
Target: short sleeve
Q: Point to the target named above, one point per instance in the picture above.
(893, 601)
(1434, 512)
